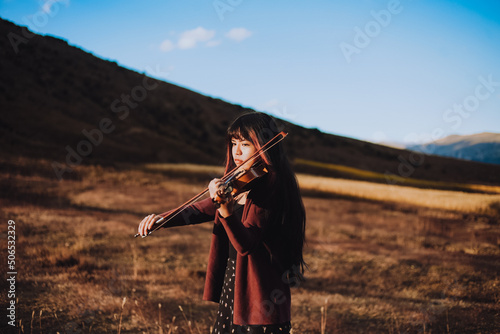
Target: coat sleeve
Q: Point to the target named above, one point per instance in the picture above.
(196, 213)
(246, 235)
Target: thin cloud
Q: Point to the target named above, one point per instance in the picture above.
(167, 45)
(47, 6)
(238, 34)
(190, 38)
(213, 43)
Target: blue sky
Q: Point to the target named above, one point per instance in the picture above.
(398, 70)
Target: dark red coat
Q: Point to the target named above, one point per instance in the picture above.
(261, 294)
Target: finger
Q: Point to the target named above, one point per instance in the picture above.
(151, 222)
(216, 192)
(140, 229)
(212, 187)
(145, 225)
(223, 192)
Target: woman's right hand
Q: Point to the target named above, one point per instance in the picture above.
(213, 187)
(147, 224)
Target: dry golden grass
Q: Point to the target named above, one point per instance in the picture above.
(374, 266)
(460, 201)
(356, 173)
(429, 198)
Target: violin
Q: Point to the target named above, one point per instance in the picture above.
(239, 182)
(234, 182)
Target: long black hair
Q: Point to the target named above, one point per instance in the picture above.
(290, 215)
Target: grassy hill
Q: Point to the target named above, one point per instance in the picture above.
(71, 107)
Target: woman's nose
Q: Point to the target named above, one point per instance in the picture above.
(238, 150)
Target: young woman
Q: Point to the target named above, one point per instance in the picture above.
(257, 240)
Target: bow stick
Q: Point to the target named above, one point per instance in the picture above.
(224, 178)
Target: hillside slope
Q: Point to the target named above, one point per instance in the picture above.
(64, 104)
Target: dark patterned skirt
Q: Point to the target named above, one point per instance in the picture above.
(224, 322)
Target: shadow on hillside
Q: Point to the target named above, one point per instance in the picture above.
(47, 197)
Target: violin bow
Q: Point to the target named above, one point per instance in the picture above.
(226, 176)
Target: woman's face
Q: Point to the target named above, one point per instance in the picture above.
(241, 151)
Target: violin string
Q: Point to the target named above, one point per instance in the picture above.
(263, 149)
(194, 199)
(225, 177)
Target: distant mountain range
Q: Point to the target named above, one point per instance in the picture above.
(482, 147)
(70, 107)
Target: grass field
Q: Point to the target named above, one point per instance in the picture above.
(382, 259)
(356, 173)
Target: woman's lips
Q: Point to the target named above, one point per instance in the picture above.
(238, 161)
